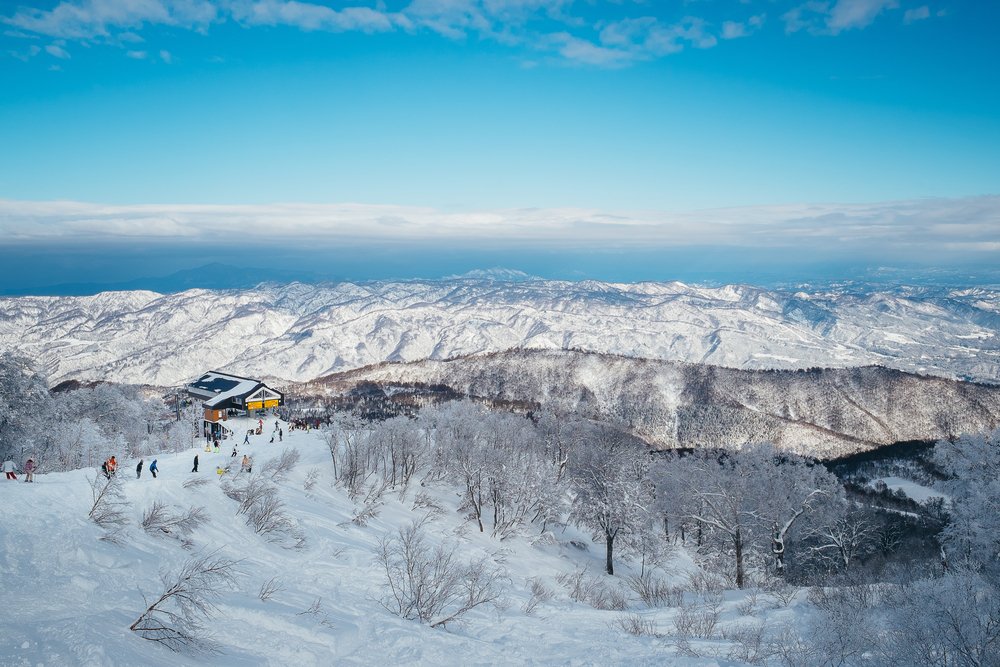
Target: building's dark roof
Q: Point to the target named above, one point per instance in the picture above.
(218, 390)
(216, 382)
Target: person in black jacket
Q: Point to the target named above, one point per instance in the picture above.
(195, 468)
(138, 470)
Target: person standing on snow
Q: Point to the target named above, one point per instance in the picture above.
(112, 466)
(247, 463)
(9, 468)
(195, 468)
(29, 470)
(281, 434)
(246, 438)
(138, 470)
(153, 468)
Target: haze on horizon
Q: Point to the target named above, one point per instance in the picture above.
(763, 141)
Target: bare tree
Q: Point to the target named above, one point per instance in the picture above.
(177, 617)
(109, 508)
(839, 544)
(430, 584)
(278, 468)
(161, 519)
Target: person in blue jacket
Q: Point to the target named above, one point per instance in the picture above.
(153, 468)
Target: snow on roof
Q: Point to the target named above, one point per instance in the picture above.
(244, 387)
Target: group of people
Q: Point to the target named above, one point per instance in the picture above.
(10, 469)
(110, 466)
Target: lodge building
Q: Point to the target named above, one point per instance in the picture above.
(224, 395)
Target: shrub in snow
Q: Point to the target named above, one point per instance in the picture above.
(268, 589)
(636, 625)
(278, 468)
(431, 584)
(109, 508)
(539, 593)
(177, 617)
(264, 511)
(654, 591)
(161, 519)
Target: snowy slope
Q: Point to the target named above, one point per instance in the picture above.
(299, 332)
(824, 413)
(68, 598)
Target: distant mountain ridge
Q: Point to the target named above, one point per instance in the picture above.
(827, 413)
(296, 332)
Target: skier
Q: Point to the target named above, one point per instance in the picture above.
(281, 434)
(216, 445)
(29, 470)
(195, 468)
(9, 468)
(104, 469)
(220, 471)
(233, 455)
(246, 438)
(138, 470)
(112, 466)
(247, 463)
(153, 468)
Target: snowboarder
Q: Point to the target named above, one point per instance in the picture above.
(195, 468)
(9, 468)
(233, 455)
(220, 471)
(29, 470)
(138, 470)
(153, 468)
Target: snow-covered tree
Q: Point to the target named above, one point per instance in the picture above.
(24, 398)
(753, 498)
(613, 493)
(973, 532)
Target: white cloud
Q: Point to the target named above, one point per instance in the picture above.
(87, 19)
(736, 29)
(832, 18)
(916, 14)
(918, 225)
(57, 51)
(166, 57)
(136, 55)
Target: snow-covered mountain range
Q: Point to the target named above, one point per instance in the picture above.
(826, 413)
(297, 332)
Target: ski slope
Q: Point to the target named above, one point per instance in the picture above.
(68, 598)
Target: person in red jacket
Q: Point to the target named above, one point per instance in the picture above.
(29, 470)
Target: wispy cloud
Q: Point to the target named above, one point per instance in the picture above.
(602, 33)
(57, 51)
(832, 18)
(736, 29)
(919, 226)
(916, 14)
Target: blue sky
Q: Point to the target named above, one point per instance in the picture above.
(855, 132)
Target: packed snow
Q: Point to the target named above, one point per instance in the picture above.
(68, 597)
